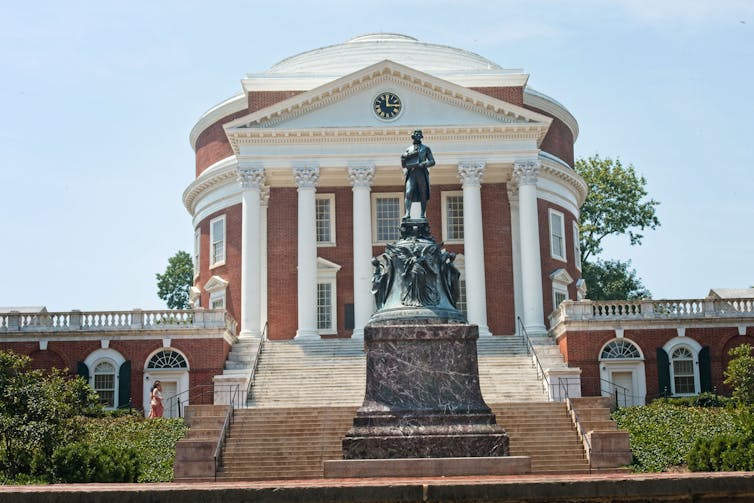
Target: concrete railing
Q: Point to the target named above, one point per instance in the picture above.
(102, 321)
(649, 309)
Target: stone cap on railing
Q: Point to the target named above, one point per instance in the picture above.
(650, 309)
(101, 321)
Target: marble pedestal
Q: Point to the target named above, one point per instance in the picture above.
(422, 396)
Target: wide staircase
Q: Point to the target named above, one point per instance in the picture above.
(305, 395)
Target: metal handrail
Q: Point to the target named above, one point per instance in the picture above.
(530, 351)
(255, 363)
(229, 418)
(582, 433)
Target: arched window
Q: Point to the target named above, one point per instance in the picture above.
(682, 363)
(167, 359)
(620, 349)
(104, 383)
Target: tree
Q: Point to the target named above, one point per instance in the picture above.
(612, 279)
(615, 205)
(37, 413)
(173, 286)
(740, 374)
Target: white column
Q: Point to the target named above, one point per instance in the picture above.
(306, 181)
(265, 203)
(363, 304)
(525, 173)
(518, 300)
(470, 174)
(251, 179)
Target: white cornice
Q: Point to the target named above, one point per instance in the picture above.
(220, 173)
(557, 169)
(543, 102)
(230, 106)
(420, 82)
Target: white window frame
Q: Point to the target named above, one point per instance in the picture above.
(216, 286)
(670, 347)
(576, 246)
(553, 253)
(114, 388)
(110, 356)
(445, 231)
(217, 261)
(331, 199)
(197, 251)
(401, 212)
(327, 272)
(560, 281)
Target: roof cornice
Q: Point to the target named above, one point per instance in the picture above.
(547, 104)
(230, 106)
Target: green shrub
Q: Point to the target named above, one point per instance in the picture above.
(82, 462)
(705, 399)
(729, 452)
(663, 435)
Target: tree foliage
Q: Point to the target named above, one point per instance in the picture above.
(617, 204)
(173, 286)
(612, 280)
(740, 374)
(37, 413)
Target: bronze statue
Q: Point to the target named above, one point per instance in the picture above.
(416, 161)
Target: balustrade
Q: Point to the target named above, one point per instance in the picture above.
(648, 309)
(115, 320)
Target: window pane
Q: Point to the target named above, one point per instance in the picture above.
(454, 217)
(462, 297)
(684, 385)
(556, 234)
(388, 218)
(559, 297)
(323, 220)
(324, 306)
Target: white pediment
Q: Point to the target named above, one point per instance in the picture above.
(215, 284)
(347, 104)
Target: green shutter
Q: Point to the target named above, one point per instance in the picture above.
(705, 370)
(124, 384)
(82, 370)
(663, 372)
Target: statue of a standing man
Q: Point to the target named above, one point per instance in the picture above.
(416, 161)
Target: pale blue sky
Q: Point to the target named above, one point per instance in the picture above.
(98, 99)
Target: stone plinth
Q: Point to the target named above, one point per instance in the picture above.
(422, 396)
(428, 467)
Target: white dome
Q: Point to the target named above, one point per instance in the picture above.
(365, 50)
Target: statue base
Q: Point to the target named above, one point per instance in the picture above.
(422, 395)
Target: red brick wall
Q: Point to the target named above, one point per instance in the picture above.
(263, 99)
(514, 95)
(282, 257)
(231, 270)
(559, 140)
(582, 348)
(550, 264)
(206, 357)
(498, 259)
(342, 253)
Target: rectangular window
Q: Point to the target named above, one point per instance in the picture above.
(559, 294)
(325, 318)
(462, 296)
(576, 246)
(197, 248)
(217, 241)
(683, 373)
(557, 235)
(217, 302)
(387, 210)
(452, 216)
(325, 216)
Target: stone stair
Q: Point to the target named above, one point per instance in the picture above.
(296, 373)
(506, 372)
(545, 432)
(195, 453)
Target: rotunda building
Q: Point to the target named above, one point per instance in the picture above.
(299, 184)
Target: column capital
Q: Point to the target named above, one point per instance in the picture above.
(264, 195)
(471, 172)
(251, 177)
(526, 172)
(361, 176)
(306, 176)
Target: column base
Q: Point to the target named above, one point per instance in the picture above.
(358, 333)
(307, 333)
(484, 331)
(250, 334)
(536, 330)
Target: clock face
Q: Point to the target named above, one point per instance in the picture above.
(387, 105)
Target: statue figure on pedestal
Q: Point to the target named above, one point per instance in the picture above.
(416, 161)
